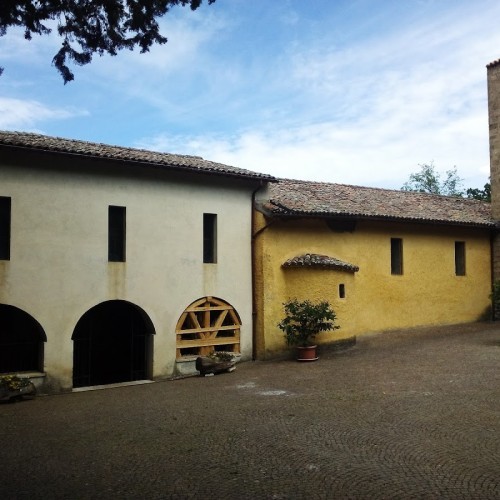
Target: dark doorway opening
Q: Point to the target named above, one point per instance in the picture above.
(21, 341)
(113, 343)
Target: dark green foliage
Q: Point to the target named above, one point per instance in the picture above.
(428, 180)
(304, 320)
(480, 194)
(89, 27)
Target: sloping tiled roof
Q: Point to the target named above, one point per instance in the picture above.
(316, 260)
(303, 198)
(139, 156)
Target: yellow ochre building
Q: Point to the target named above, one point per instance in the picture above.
(384, 259)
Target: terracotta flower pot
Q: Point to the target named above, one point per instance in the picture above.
(307, 353)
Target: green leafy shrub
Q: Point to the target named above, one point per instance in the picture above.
(221, 356)
(13, 382)
(304, 320)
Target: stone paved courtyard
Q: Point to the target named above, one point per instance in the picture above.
(403, 415)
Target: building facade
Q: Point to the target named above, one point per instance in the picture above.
(118, 264)
(384, 259)
(121, 265)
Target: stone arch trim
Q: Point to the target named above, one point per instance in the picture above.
(144, 315)
(208, 324)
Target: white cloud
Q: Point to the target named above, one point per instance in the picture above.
(329, 95)
(18, 114)
(370, 113)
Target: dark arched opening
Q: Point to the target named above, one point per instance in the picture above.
(113, 342)
(21, 341)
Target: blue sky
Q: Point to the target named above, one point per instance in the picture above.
(356, 92)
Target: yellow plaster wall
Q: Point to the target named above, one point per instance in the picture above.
(428, 292)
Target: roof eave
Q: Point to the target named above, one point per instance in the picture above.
(132, 162)
(287, 214)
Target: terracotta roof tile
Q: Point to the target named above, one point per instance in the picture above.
(316, 260)
(140, 156)
(303, 198)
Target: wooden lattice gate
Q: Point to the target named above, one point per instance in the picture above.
(207, 325)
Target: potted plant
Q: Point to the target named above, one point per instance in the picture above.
(216, 362)
(13, 387)
(303, 321)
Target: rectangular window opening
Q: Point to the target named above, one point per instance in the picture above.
(396, 256)
(116, 233)
(209, 238)
(460, 258)
(342, 291)
(5, 218)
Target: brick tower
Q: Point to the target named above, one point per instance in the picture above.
(493, 71)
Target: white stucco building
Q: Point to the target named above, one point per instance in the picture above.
(119, 264)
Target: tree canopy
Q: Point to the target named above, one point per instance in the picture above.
(90, 27)
(480, 194)
(428, 180)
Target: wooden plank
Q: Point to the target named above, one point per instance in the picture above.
(194, 320)
(234, 317)
(202, 343)
(209, 329)
(206, 350)
(180, 323)
(197, 303)
(209, 308)
(220, 319)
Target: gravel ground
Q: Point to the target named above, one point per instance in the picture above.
(403, 415)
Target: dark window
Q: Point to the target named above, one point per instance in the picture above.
(116, 234)
(342, 291)
(21, 341)
(396, 256)
(209, 238)
(4, 228)
(460, 258)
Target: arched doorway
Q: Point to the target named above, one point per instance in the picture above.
(21, 341)
(208, 324)
(112, 342)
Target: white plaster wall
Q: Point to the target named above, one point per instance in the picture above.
(59, 268)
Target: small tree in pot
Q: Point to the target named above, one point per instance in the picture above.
(303, 321)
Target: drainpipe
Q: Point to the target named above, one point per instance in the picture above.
(492, 270)
(254, 302)
(252, 245)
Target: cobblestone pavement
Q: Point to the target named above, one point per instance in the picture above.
(403, 415)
